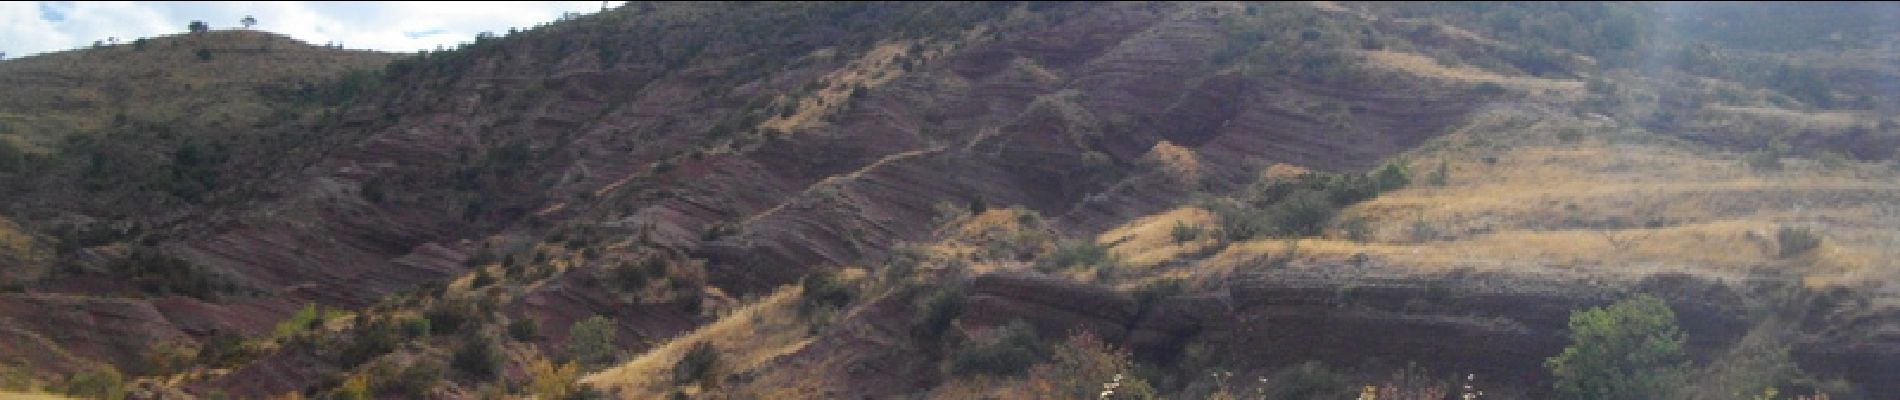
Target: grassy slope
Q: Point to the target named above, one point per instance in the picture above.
(1544, 206)
(43, 98)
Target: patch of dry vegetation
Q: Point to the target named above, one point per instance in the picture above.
(876, 67)
(746, 338)
(1426, 67)
(1150, 240)
(1609, 203)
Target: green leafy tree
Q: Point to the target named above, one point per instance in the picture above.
(1628, 350)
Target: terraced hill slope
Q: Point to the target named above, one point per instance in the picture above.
(863, 199)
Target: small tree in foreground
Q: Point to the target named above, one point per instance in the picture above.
(1086, 367)
(550, 381)
(1628, 350)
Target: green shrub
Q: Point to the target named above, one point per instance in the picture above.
(1241, 223)
(1794, 240)
(1628, 350)
(103, 383)
(416, 380)
(696, 365)
(823, 290)
(1304, 213)
(155, 272)
(476, 357)
(1357, 229)
(1309, 380)
(936, 312)
(523, 329)
(1184, 232)
(1007, 351)
(1393, 175)
(1488, 89)
(482, 279)
(591, 341)
(451, 316)
(303, 319)
(630, 276)
(1076, 253)
(221, 349)
(12, 158)
(415, 327)
(368, 341)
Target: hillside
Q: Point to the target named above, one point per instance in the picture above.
(955, 200)
(132, 137)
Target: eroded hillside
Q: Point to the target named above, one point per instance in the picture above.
(795, 200)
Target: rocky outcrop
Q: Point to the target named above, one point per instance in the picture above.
(1053, 305)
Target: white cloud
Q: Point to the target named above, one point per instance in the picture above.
(400, 26)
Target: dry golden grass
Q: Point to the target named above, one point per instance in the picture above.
(1591, 205)
(1606, 205)
(1179, 163)
(873, 69)
(1149, 240)
(1798, 120)
(747, 337)
(1423, 66)
(964, 237)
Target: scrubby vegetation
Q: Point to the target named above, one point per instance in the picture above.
(697, 366)
(477, 358)
(591, 341)
(1004, 351)
(936, 311)
(1085, 367)
(1795, 240)
(104, 383)
(1302, 206)
(155, 273)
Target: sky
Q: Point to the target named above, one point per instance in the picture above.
(30, 27)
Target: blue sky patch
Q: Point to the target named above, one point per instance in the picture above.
(53, 11)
